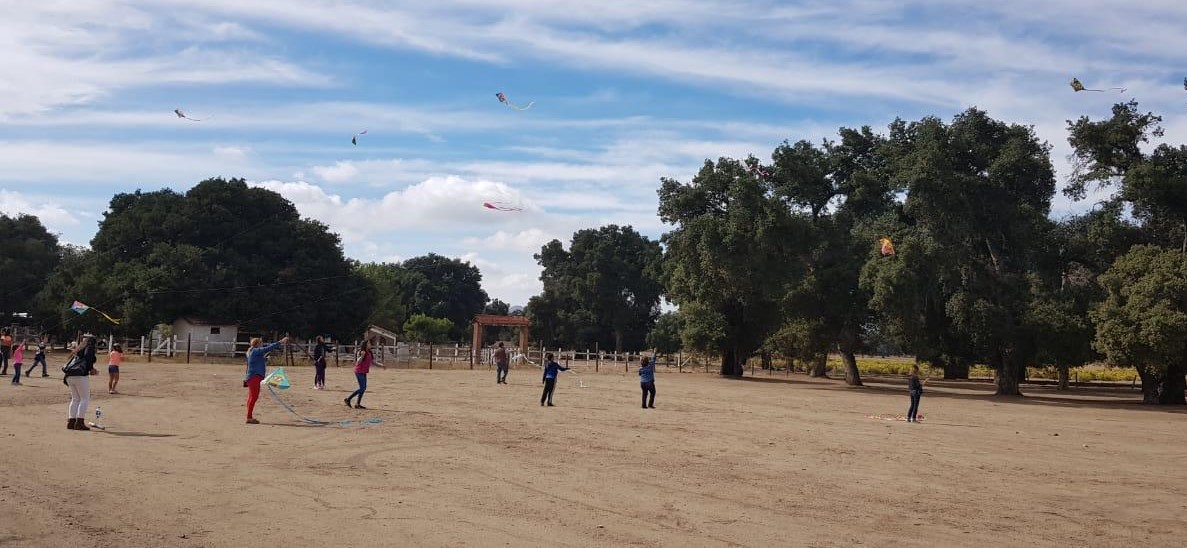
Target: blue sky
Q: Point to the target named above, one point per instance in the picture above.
(626, 92)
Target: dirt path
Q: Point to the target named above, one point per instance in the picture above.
(461, 461)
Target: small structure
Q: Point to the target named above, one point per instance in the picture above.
(205, 335)
(483, 320)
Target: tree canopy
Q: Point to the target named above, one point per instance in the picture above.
(447, 288)
(30, 255)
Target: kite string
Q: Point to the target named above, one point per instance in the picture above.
(276, 397)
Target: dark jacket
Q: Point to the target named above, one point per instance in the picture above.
(914, 384)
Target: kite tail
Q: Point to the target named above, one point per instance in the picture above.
(520, 108)
(109, 318)
(276, 397)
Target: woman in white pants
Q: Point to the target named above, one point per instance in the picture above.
(79, 381)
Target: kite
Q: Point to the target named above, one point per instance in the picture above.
(1185, 83)
(1078, 87)
(501, 206)
(887, 247)
(503, 99)
(80, 309)
(355, 140)
(277, 378)
(181, 114)
(892, 417)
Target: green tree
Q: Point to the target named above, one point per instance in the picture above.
(841, 189)
(450, 288)
(608, 276)
(977, 195)
(1143, 320)
(726, 262)
(422, 328)
(395, 288)
(664, 337)
(225, 252)
(30, 254)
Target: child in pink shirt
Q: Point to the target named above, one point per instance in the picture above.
(114, 359)
(18, 356)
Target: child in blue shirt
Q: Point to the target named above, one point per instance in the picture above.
(551, 370)
(647, 381)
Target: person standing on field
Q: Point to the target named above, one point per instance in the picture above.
(647, 381)
(502, 364)
(551, 370)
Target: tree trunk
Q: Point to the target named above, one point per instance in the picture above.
(729, 363)
(819, 367)
(1009, 374)
(852, 375)
(618, 340)
(1150, 385)
(956, 368)
(1063, 374)
(1174, 386)
(847, 344)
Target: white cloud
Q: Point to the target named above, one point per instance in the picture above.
(51, 214)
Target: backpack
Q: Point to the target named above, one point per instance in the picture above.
(75, 367)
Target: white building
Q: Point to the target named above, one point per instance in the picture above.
(207, 337)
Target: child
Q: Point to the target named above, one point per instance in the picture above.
(647, 381)
(5, 351)
(319, 363)
(362, 366)
(502, 365)
(257, 368)
(18, 355)
(114, 359)
(915, 388)
(79, 381)
(551, 370)
(39, 357)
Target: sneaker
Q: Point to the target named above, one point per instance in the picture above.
(253, 421)
(651, 407)
(347, 400)
(550, 404)
(359, 407)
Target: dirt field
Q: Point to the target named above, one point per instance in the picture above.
(461, 461)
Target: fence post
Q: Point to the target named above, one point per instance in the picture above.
(189, 338)
(430, 356)
(680, 361)
(150, 348)
(597, 356)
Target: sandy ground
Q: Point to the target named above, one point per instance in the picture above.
(461, 461)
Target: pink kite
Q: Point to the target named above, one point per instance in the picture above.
(503, 99)
(501, 206)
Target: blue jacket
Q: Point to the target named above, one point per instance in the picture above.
(552, 369)
(647, 372)
(257, 360)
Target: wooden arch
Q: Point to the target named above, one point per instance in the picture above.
(481, 321)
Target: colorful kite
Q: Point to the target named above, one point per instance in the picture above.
(278, 379)
(501, 206)
(355, 140)
(181, 114)
(887, 247)
(503, 99)
(1078, 87)
(80, 309)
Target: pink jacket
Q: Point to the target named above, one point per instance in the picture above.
(362, 365)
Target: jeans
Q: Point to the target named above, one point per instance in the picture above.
(80, 396)
(648, 388)
(3, 363)
(501, 372)
(16, 376)
(37, 359)
(549, 387)
(914, 410)
(362, 378)
(319, 373)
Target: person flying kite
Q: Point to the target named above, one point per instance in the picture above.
(503, 99)
(1078, 87)
(80, 309)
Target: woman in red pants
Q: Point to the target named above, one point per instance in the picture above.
(257, 368)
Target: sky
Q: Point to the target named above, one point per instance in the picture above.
(625, 92)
